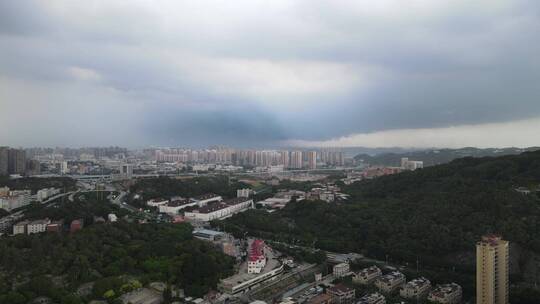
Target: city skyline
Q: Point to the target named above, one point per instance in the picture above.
(250, 73)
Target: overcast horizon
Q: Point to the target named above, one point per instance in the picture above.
(420, 74)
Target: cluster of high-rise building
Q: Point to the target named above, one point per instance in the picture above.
(295, 159)
(75, 153)
(12, 161)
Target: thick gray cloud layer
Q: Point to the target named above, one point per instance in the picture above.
(262, 72)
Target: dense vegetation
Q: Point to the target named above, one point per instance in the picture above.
(54, 264)
(168, 187)
(36, 183)
(85, 206)
(435, 214)
(436, 157)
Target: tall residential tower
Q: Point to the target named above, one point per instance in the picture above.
(492, 270)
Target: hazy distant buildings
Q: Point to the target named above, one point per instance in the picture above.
(4, 160)
(33, 167)
(297, 160)
(251, 158)
(312, 160)
(126, 170)
(284, 155)
(332, 158)
(16, 161)
(492, 254)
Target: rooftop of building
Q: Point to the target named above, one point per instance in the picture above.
(491, 239)
(418, 282)
(204, 196)
(441, 290)
(236, 200)
(40, 222)
(207, 232)
(340, 288)
(395, 275)
(370, 270)
(158, 199)
(178, 202)
(369, 298)
(322, 298)
(212, 207)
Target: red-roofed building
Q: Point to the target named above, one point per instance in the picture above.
(256, 257)
(76, 225)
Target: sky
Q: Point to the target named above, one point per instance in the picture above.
(386, 73)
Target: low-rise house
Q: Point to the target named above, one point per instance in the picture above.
(341, 294)
(288, 300)
(416, 289)
(45, 193)
(20, 227)
(142, 296)
(37, 226)
(367, 275)
(340, 270)
(323, 298)
(6, 223)
(14, 199)
(76, 225)
(208, 235)
(374, 298)
(99, 220)
(243, 192)
(390, 282)
(446, 294)
(112, 217)
(55, 226)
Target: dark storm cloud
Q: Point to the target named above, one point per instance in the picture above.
(252, 73)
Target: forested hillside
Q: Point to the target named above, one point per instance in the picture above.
(54, 264)
(433, 157)
(434, 214)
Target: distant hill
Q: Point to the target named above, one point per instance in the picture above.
(434, 157)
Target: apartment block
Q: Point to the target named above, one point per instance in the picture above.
(390, 282)
(446, 294)
(492, 255)
(367, 275)
(416, 289)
